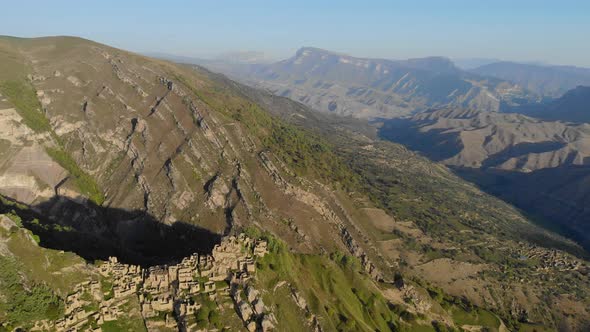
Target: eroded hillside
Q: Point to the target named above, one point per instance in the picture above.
(150, 138)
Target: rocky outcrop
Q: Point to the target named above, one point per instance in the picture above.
(27, 172)
(124, 77)
(312, 320)
(217, 191)
(324, 209)
(171, 86)
(255, 315)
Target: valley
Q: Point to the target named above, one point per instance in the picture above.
(531, 161)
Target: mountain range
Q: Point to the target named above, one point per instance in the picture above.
(375, 88)
(460, 127)
(547, 80)
(118, 171)
(541, 166)
(571, 107)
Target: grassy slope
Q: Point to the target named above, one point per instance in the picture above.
(23, 301)
(305, 153)
(343, 298)
(29, 287)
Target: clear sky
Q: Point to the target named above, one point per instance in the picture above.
(555, 31)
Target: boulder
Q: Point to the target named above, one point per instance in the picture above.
(252, 294)
(266, 323)
(245, 311)
(259, 306)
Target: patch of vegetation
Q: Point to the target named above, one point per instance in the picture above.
(207, 316)
(14, 217)
(22, 302)
(24, 98)
(128, 323)
(117, 326)
(106, 286)
(334, 287)
(83, 181)
(304, 152)
(475, 316)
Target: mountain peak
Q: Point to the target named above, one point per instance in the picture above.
(314, 52)
(309, 50)
(433, 63)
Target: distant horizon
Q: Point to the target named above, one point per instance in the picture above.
(216, 56)
(459, 62)
(526, 31)
(269, 59)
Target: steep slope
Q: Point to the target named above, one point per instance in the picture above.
(374, 88)
(175, 160)
(154, 139)
(162, 160)
(156, 161)
(440, 222)
(552, 81)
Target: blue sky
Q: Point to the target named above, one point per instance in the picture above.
(548, 31)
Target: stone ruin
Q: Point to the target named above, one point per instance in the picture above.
(165, 289)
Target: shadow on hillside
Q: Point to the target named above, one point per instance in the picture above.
(96, 232)
(553, 198)
(522, 150)
(434, 143)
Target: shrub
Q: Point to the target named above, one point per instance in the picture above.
(24, 98)
(25, 303)
(83, 181)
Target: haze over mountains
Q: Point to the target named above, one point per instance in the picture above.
(571, 107)
(375, 88)
(454, 119)
(547, 80)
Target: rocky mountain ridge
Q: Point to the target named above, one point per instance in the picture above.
(551, 81)
(375, 88)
